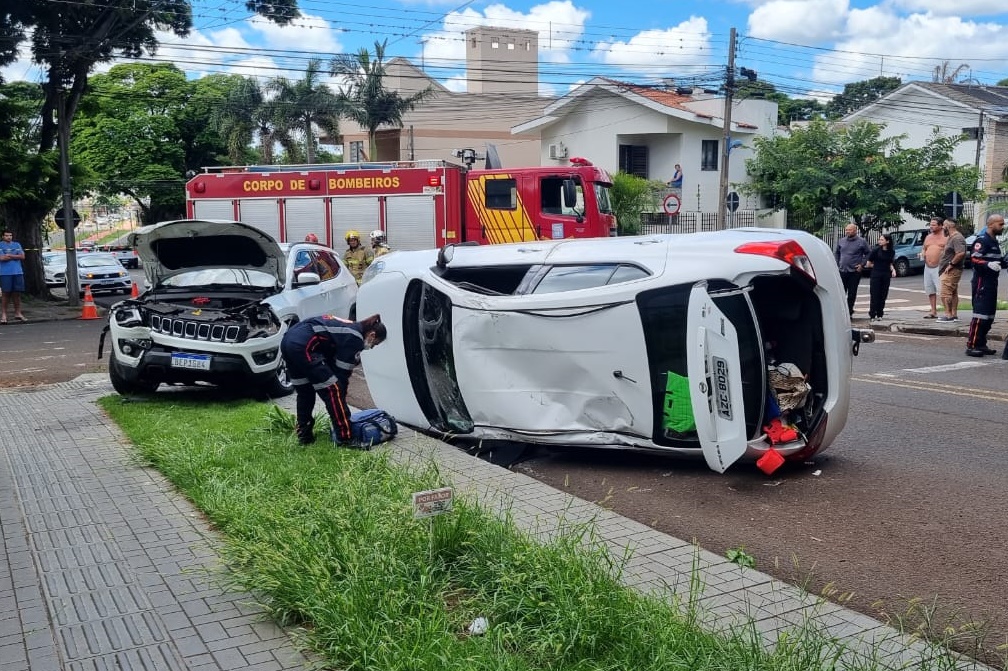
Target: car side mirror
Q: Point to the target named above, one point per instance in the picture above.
(569, 193)
(306, 279)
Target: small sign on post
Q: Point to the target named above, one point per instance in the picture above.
(432, 502)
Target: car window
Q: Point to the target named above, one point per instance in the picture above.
(501, 194)
(493, 280)
(572, 278)
(96, 260)
(327, 264)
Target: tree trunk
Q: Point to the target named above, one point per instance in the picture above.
(27, 230)
(310, 147)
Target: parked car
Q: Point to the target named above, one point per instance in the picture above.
(908, 247)
(54, 268)
(102, 273)
(221, 295)
(126, 254)
(666, 343)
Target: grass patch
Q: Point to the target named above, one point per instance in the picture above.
(326, 539)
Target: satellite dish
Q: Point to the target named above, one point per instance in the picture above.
(493, 161)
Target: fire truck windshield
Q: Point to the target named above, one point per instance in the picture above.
(602, 198)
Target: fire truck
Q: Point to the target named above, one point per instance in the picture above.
(419, 204)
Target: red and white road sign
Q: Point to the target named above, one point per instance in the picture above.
(671, 204)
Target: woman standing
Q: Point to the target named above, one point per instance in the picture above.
(880, 260)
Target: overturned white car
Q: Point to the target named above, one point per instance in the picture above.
(723, 344)
(221, 295)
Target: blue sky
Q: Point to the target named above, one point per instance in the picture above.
(801, 46)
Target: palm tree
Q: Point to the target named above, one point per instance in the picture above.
(365, 98)
(246, 115)
(942, 75)
(306, 104)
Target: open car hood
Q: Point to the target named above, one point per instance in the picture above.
(172, 247)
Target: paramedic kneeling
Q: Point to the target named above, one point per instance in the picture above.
(987, 258)
(321, 353)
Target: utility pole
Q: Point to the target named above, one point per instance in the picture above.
(726, 140)
(72, 278)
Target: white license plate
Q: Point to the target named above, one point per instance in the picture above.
(191, 361)
(721, 393)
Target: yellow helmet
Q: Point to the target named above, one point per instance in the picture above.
(352, 234)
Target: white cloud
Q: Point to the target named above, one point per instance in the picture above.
(456, 83)
(681, 47)
(560, 25)
(308, 33)
(911, 47)
(23, 69)
(959, 8)
(801, 21)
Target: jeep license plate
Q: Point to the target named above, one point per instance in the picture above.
(191, 361)
(721, 393)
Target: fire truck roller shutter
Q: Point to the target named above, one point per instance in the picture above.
(409, 222)
(303, 216)
(354, 212)
(262, 213)
(217, 208)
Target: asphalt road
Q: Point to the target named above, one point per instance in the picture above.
(909, 505)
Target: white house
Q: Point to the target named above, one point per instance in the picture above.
(980, 113)
(645, 131)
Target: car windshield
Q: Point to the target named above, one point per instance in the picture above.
(602, 198)
(96, 260)
(221, 276)
(51, 257)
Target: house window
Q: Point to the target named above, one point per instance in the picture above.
(474, 43)
(528, 45)
(494, 43)
(510, 46)
(633, 160)
(357, 151)
(501, 194)
(709, 155)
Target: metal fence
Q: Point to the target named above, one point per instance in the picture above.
(693, 222)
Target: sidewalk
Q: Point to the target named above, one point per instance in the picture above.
(105, 566)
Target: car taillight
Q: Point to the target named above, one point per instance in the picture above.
(788, 251)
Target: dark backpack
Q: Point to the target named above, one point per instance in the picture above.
(371, 427)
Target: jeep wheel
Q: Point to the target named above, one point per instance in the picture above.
(902, 267)
(278, 384)
(127, 387)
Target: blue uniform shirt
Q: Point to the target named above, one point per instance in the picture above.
(11, 266)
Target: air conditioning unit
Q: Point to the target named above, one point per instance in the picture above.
(558, 151)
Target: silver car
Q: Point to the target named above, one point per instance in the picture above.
(102, 273)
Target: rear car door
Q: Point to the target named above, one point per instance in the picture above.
(715, 379)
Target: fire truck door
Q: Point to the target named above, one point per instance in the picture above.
(262, 213)
(303, 216)
(409, 222)
(216, 208)
(361, 214)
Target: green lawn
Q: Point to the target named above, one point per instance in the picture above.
(327, 539)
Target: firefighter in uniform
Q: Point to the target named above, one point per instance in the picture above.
(379, 246)
(987, 260)
(356, 258)
(320, 354)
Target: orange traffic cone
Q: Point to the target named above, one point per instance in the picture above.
(135, 291)
(89, 311)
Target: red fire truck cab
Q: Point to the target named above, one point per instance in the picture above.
(419, 204)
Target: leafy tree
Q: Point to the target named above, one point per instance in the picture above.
(855, 169)
(247, 115)
(946, 74)
(366, 100)
(788, 109)
(202, 143)
(1003, 82)
(860, 94)
(302, 105)
(630, 196)
(69, 40)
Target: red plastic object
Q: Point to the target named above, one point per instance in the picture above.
(770, 461)
(776, 432)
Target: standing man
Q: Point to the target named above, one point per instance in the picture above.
(950, 268)
(934, 244)
(987, 258)
(851, 254)
(379, 247)
(356, 258)
(12, 283)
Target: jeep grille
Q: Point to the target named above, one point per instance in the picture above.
(193, 330)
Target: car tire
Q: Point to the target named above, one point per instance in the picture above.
(127, 387)
(278, 383)
(902, 267)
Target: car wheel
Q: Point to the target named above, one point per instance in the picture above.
(902, 267)
(127, 387)
(278, 384)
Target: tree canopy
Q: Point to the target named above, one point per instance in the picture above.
(856, 170)
(299, 106)
(860, 94)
